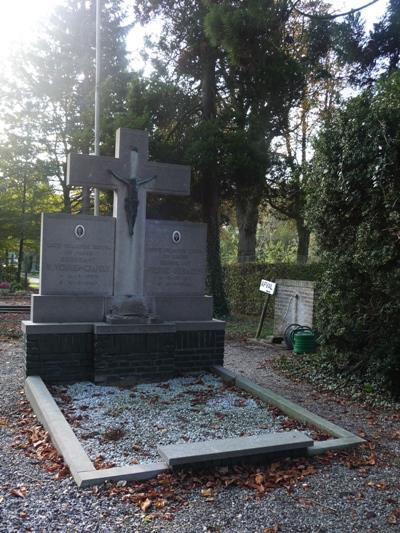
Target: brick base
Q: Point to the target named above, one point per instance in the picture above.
(61, 358)
(115, 357)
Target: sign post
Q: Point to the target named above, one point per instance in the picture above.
(268, 287)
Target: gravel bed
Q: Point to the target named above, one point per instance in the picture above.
(13, 299)
(125, 425)
(337, 498)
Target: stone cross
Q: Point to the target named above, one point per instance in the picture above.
(105, 173)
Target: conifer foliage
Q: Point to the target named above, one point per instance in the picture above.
(355, 210)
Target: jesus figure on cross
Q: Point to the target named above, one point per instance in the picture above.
(132, 185)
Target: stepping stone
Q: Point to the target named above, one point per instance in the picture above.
(241, 448)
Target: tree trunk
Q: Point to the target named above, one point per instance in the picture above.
(21, 233)
(20, 258)
(247, 219)
(303, 234)
(210, 186)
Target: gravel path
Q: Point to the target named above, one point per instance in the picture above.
(339, 494)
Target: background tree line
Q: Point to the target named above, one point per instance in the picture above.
(237, 91)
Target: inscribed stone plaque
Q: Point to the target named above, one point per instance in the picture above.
(77, 255)
(175, 258)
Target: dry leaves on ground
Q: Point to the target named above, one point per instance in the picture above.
(19, 492)
(163, 496)
(35, 442)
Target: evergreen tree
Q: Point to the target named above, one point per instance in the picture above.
(369, 55)
(187, 49)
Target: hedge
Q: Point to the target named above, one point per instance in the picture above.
(242, 282)
(8, 273)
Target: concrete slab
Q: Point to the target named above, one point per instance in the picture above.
(127, 473)
(133, 329)
(62, 308)
(29, 327)
(239, 447)
(193, 307)
(203, 325)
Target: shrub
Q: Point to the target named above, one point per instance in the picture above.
(242, 282)
(354, 210)
(8, 273)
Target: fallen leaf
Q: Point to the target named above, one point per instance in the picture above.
(273, 529)
(20, 492)
(145, 505)
(161, 503)
(381, 485)
(392, 519)
(259, 478)
(207, 493)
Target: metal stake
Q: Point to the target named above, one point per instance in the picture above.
(97, 101)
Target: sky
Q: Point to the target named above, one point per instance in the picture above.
(20, 21)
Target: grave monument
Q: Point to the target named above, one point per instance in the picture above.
(122, 298)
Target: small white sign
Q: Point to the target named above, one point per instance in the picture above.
(267, 286)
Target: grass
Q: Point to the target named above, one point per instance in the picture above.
(242, 327)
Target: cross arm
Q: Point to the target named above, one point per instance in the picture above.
(169, 178)
(93, 171)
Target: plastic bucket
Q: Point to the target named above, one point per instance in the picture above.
(304, 342)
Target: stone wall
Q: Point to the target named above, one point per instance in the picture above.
(294, 304)
(118, 357)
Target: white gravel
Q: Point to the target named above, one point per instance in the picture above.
(125, 425)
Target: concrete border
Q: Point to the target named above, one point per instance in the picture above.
(62, 436)
(54, 328)
(86, 475)
(133, 329)
(67, 444)
(343, 438)
(193, 325)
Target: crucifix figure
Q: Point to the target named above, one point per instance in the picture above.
(132, 197)
(105, 173)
